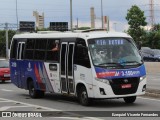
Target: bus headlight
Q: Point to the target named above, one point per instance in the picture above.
(103, 80)
(142, 78)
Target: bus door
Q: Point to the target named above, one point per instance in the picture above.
(20, 67)
(66, 65)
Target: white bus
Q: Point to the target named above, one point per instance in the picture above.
(88, 65)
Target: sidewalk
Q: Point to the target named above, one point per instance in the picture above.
(153, 79)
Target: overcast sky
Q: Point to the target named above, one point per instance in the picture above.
(59, 11)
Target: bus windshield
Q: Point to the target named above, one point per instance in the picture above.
(114, 52)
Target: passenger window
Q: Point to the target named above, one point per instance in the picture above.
(13, 49)
(30, 44)
(29, 52)
(53, 50)
(40, 47)
(40, 44)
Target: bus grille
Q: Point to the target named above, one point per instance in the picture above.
(117, 83)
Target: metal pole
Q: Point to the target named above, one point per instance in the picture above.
(102, 14)
(6, 27)
(115, 26)
(71, 14)
(77, 23)
(17, 14)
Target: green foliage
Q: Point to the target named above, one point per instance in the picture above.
(43, 29)
(153, 39)
(136, 20)
(156, 27)
(83, 28)
(11, 33)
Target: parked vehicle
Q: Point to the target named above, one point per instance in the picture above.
(4, 70)
(156, 55)
(147, 54)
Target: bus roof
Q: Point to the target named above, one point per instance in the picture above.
(84, 35)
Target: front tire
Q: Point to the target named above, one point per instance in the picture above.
(130, 99)
(83, 97)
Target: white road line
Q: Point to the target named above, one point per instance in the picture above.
(8, 107)
(46, 108)
(6, 90)
(149, 99)
(31, 105)
(4, 101)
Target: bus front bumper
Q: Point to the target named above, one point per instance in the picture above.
(103, 90)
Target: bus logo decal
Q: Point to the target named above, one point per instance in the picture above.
(29, 67)
(125, 80)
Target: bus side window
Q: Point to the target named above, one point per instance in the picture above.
(29, 52)
(13, 49)
(52, 55)
(40, 48)
(81, 54)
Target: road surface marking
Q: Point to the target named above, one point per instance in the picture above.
(6, 90)
(4, 101)
(31, 105)
(46, 108)
(8, 107)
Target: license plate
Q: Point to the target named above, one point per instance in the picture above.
(6, 75)
(126, 86)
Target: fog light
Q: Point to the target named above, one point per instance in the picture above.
(102, 92)
(144, 88)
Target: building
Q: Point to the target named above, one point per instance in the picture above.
(39, 20)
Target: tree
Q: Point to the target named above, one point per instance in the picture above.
(11, 33)
(136, 20)
(84, 28)
(156, 27)
(153, 37)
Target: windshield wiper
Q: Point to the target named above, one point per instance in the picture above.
(111, 63)
(131, 62)
(120, 64)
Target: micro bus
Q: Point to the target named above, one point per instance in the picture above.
(86, 65)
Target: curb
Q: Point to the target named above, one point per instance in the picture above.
(152, 93)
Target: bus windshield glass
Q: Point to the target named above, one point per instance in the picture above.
(114, 52)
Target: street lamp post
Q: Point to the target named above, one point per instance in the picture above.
(102, 14)
(17, 14)
(71, 14)
(6, 27)
(115, 26)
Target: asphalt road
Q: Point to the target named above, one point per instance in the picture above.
(16, 99)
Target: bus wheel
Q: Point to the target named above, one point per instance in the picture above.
(83, 96)
(40, 94)
(32, 92)
(130, 99)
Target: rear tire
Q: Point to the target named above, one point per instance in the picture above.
(130, 99)
(83, 97)
(35, 93)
